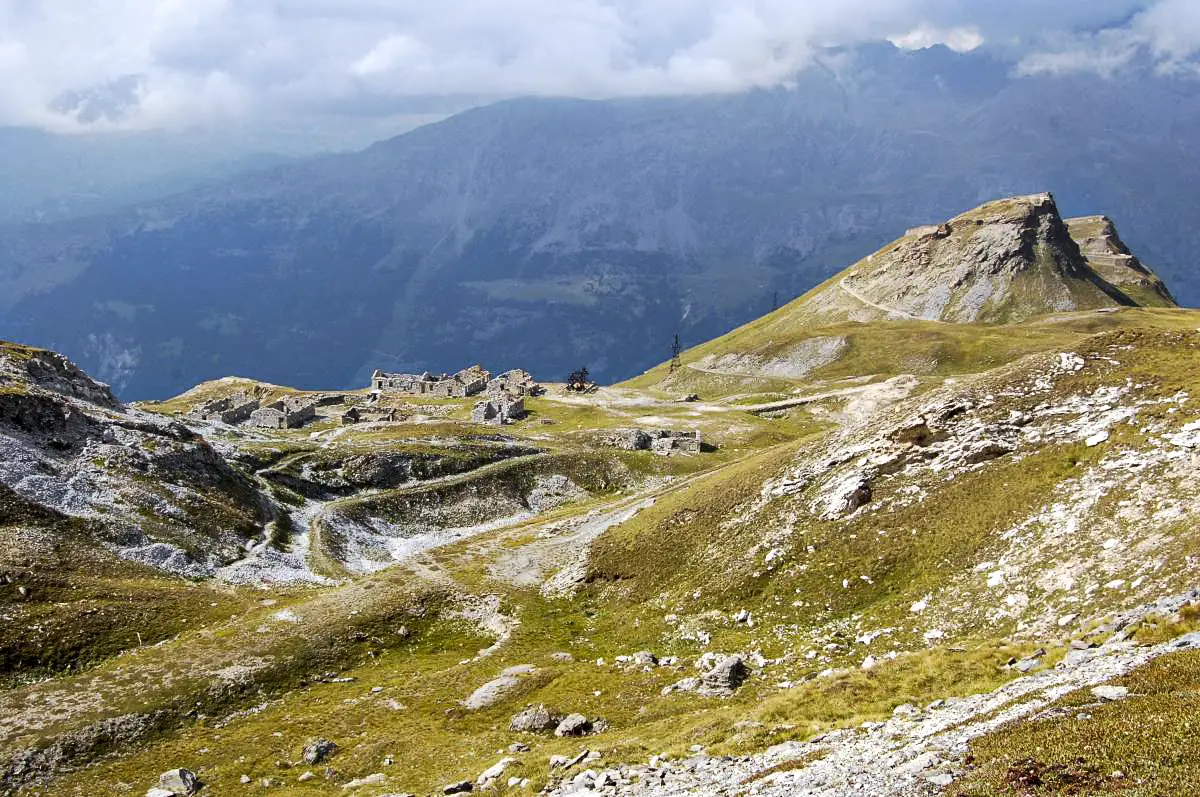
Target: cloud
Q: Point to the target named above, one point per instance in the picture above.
(1103, 53)
(1172, 29)
(1167, 32)
(960, 39)
(395, 52)
(126, 64)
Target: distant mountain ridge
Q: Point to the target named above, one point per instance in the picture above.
(549, 234)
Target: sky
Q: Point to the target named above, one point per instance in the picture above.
(82, 65)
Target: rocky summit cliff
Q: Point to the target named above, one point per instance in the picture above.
(1109, 257)
(930, 530)
(1008, 260)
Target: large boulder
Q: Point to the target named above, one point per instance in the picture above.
(182, 782)
(534, 719)
(573, 725)
(727, 674)
(491, 692)
(318, 750)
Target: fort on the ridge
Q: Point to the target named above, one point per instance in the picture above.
(501, 400)
(506, 392)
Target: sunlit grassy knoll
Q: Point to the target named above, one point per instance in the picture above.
(892, 347)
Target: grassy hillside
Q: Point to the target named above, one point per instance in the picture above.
(928, 543)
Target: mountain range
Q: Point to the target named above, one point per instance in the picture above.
(552, 234)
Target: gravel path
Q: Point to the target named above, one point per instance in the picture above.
(916, 752)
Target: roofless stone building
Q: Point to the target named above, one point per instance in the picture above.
(466, 382)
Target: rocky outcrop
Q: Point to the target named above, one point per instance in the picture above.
(51, 371)
(1108, 255)
(1005, 261)
(154, 491)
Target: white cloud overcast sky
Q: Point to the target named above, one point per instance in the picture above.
(171, 63)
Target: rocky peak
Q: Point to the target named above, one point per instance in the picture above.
(1101, 245)
(1031, 227)
(24, 366)
(1004, 261)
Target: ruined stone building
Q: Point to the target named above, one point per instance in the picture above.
(368, 415)
(412, 384)
(499, 409)
(466, 382)
(233, 409)
(677, 442)
(660, 441)
(517, 382)
(290, 412)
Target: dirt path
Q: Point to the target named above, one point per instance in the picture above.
(563, 544)
(882, 308)
(864, 399)
(557, 558)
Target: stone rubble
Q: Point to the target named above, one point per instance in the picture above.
(916, 752)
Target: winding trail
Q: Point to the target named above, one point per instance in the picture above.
(852, 293)
(863, 398)
(564, 545)
(265, 564)
(402, 548)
